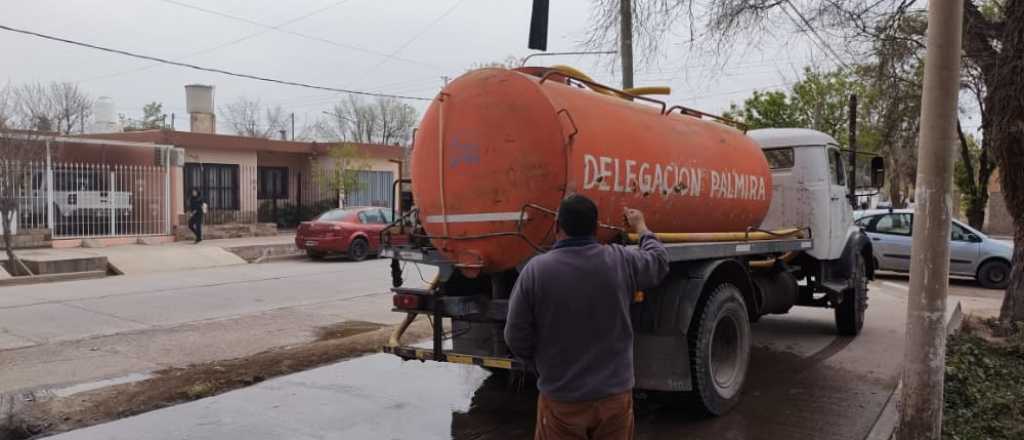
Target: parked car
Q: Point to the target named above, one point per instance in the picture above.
(971, 253)
(352, 232)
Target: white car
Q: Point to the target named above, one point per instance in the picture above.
(971, 253)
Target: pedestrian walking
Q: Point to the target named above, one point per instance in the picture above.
(569, 320)
(197, 208)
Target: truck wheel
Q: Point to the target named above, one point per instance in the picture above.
(720, 350)
(850, 312)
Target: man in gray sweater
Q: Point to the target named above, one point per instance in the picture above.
(569, 318)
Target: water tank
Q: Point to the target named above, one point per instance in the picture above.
(497, 141)
(105, 120)
(199, 98)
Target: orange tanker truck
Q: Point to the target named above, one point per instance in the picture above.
(762, 215)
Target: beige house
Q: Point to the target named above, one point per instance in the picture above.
(251, 180)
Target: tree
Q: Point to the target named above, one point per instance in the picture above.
(19, 148)
(72, 107)
(972, 174)
(54, 107)
(385, 121)
(248, 117)
(340, 169)
(153, 116)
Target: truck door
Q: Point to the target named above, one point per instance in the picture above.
(840, 212)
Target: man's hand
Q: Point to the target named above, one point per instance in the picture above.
(635, 219)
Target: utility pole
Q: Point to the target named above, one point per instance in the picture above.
(626, 42)
(921, 400)
(293, 126)
(852, 175)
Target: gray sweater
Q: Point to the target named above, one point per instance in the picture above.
(569, 315)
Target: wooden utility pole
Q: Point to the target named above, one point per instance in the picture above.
(626, 42)
(921, 400)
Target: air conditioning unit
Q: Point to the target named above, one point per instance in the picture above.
(171, 156)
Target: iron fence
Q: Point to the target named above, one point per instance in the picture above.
(80, 200)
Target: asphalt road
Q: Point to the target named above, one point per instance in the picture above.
(805, 383)
(62, 334)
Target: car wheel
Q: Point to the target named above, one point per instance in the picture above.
(720, 351)
(315, 255)
(850, 312)
(358, 250)
(994, 274)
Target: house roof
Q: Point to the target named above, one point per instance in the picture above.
(186, 139)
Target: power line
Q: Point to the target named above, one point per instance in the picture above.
(814, 33)
(209, 69)
(223, 45)
(394, 53)
(299, 34)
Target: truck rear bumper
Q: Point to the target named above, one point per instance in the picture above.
(426, 354)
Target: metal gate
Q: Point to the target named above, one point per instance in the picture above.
(80, 200)
(375, 189)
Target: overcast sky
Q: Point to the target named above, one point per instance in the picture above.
(392, 46)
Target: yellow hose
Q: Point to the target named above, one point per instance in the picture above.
(692, 237)
(652, 90)
(396, 336)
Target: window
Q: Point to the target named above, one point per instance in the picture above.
(272, 183)
(334, 215)
(895, 224)
(959, 233)
(864, 221)
(372, 217)
(779, 158)
(218, 184)
(836, 169)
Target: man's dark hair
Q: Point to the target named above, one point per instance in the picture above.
(577, 216)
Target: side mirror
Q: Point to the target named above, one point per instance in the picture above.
(973, 238)
(877, 172)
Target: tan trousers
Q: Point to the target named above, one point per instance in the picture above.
(610, 418)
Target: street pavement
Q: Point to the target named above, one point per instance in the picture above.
(59, 334)
(805, 383)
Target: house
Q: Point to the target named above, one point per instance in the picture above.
(251, 180)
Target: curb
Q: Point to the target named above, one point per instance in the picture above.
(52, 278)
(887, 422)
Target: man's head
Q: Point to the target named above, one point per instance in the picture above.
(577, 216)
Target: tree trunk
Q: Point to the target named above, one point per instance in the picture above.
(1013, 301)
(5, 222)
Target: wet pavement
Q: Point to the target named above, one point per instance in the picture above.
(804, 383)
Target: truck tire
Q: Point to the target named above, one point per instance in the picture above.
(850, 312)
(720, 350)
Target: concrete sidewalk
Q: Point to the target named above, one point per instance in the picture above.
(52, 335)
(172, 257)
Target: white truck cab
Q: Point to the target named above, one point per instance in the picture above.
(809, 187)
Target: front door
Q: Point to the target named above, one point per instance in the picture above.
(890, 237)
(963, 253)
(840, 212)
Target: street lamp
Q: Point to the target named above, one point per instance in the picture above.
(548, 54)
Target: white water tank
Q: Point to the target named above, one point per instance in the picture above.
(199, 103)
(105, 120)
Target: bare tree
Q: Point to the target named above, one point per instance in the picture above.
(71, 107)
(248, 117)
(18, 151)
(385, 121)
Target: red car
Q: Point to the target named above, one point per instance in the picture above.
(353, 232)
